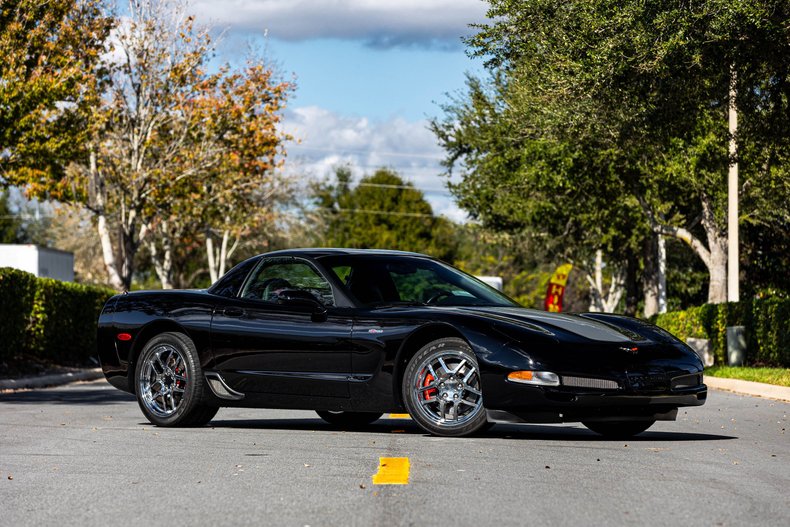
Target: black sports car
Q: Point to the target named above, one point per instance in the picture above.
(356, 333)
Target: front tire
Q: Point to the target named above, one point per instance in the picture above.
(442, 389)
(169, 382)
(348, 419)
(618, 429)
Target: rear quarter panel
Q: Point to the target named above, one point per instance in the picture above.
(144, 315)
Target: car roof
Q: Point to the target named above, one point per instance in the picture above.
(326, 251)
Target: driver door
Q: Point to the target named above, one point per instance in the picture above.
(262, 344)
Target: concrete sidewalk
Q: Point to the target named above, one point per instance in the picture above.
(55, 379)
(757, 389)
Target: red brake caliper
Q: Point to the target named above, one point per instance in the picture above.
(179, 383)
(428, 394)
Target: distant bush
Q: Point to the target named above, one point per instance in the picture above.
(767, 322)
(17, 290)
(48, 319)
(63, 322)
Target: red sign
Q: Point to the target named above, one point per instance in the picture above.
(556, 288)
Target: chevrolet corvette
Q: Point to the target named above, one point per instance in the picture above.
(352, 334)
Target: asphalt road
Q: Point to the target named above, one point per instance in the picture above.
(84, 455)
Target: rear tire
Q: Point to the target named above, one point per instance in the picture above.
(169, 382)
(348, 419)
(618, 429)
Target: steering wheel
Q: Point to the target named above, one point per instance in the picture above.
(262, 290)
(272, 285)
(438, 296)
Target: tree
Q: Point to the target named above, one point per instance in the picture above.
(173, 147)
(164, 152)
(143, 129)
(381, 212)
(516, 179)
(10, 226)
(233, 187)
(50, 54)
(638, 93)
(243, 192)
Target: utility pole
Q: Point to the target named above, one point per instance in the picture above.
(662, 274)
(733, 294)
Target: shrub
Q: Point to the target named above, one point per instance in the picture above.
(17, 289)
(63, 321)
(767, 322)
(48, 319)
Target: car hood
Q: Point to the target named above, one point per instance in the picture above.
(554, 323)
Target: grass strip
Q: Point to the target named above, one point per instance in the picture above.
(778, 376)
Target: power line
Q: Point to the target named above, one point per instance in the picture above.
(368, 152)
(404, 187)
(381, 212)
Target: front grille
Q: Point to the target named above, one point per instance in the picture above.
(587, 382)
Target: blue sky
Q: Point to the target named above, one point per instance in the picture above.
(369, 75)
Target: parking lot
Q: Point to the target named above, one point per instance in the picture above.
(84, 455)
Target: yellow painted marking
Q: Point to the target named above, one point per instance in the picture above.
(400, 416)
(392, 471)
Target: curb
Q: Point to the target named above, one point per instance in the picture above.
(58, 379)
(756, 389)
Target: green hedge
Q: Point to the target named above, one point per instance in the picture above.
(48, 319)
(17, 290)
(767, 322)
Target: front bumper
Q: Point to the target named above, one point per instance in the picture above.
(541, 404)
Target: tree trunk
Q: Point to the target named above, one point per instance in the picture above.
(219, 257)
(212, 259)
(714, 256)
(162, 260)
(107, 253)
(717, 289)
(97, 195)
(650, 278)
(631, 285)
(598, 301)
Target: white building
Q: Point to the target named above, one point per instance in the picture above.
(40, 261)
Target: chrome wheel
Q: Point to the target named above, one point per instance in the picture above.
(446, 386)
(163, 380)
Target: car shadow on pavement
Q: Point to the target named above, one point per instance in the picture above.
(503, 431)
(67, 396)
(579, 433)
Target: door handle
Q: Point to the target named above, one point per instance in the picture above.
(233, 312)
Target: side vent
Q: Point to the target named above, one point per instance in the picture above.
(221, 389)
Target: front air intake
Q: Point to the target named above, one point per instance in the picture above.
(587, 382)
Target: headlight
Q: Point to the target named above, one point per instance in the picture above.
(540, 378)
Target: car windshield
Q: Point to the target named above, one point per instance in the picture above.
(379, 280)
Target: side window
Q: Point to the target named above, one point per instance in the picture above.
(232, 281)
(275, 276)
(342, 272)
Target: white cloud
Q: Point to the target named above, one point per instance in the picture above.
(328, 140)
(376, 22)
